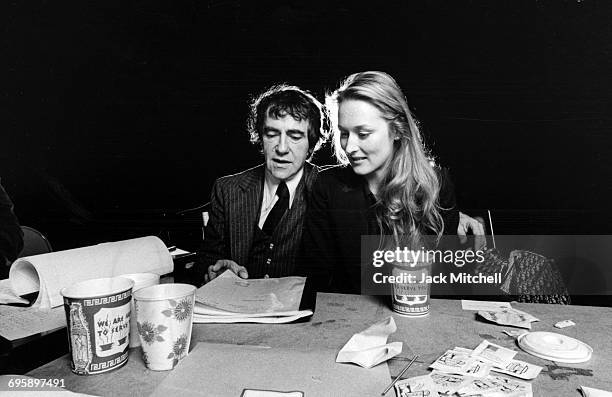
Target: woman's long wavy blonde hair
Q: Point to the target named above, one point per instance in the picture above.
(407, 205)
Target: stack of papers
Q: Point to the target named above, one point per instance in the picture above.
(442, 384)
(19, 322)
(231, 299)
(465, 372)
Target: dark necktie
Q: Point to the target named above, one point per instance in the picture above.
(278, 210)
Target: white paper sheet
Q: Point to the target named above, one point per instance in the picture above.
(511, 387)
(230, 293)
(269, 393)
(592, 392)
(19, 322)
(515, 333)
(369, 348)
(496, 386)
(517, 368)
(511, 317)
(467, 304)
(49, 273)
(495, 354)
(564, 324)
(7, 295)
(202, 319)
(527, 316)
(449, 383)
(520, 369)
(176, 252)
(412, 386)
(205, 310)
(459, 362)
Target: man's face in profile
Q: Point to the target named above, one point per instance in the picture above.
(285, 146)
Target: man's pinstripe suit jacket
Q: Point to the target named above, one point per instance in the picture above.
(234, 215)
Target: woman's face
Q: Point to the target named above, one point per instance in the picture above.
(366, 138)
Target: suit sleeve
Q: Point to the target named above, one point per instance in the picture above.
(317, 250)
(448, 202)
(11, 236)
(214, 246)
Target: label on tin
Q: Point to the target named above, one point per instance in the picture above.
(411, 298)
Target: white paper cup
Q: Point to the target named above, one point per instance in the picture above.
(98, 323)
(164, 315)
(140, 280)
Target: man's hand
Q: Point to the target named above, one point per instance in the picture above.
(222, 265)
(466, 224)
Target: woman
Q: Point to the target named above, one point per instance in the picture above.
(390, 188)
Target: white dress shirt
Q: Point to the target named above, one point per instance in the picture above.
(269, 194)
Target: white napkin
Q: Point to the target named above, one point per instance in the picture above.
(369, 348)
(592, 392)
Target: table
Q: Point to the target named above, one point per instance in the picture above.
(338, 317)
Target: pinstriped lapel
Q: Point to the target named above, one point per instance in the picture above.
(298, 200)
(298, 207)
(245, 213)
(292, 214)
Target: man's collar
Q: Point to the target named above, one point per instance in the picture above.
(252, 178)
(292, 184)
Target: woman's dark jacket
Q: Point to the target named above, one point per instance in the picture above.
(340, 212)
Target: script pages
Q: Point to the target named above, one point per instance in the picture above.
(231, 299)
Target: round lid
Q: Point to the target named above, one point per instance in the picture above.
(555, 347)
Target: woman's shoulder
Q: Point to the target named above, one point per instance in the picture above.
(336, 174)
(336, 177)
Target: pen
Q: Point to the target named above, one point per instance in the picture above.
(491, 225)
(400, 374)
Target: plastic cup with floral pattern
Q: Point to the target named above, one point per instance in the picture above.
(164, 315)
(141, 280)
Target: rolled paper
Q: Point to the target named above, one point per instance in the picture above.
(49, 273)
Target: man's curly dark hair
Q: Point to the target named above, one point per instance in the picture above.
(281, 100)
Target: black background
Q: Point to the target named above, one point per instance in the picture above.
(118, 112)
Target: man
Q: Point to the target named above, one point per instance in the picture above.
(256, 216)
